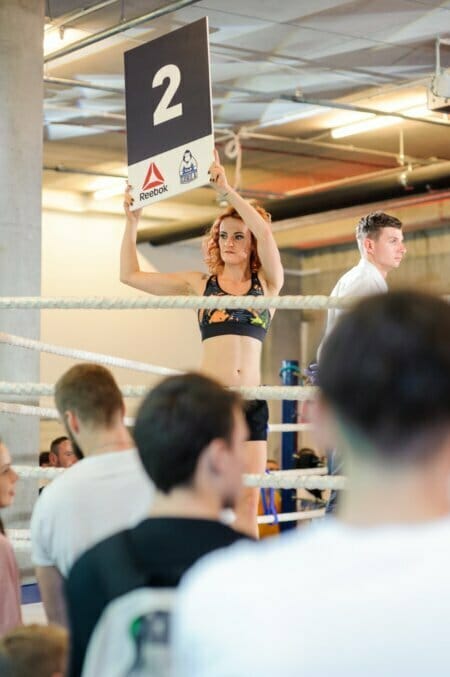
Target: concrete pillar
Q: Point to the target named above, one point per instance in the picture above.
(21, 111)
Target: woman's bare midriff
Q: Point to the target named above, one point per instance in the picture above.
(232, 360)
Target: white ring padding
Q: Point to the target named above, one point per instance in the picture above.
(295, 479)
(291, 516)
(185, 302)
(86, 356)
(247, 392)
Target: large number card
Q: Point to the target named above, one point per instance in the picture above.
(169, 117)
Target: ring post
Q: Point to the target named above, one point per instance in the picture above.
(289, 376)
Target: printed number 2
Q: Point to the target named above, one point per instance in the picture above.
(164, 111)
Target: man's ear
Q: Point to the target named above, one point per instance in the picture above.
(72, 421)
(216, 456)
(368, 245)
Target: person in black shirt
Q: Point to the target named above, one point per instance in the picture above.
(190, 433)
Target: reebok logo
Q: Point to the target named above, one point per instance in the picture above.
(154, 178)
(154, 183)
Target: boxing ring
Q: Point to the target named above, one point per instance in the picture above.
(281, 480)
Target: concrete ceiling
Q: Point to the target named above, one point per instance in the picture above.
(276, 66)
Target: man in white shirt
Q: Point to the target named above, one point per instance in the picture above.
(366, 593)
(380, 242)
(103, 493)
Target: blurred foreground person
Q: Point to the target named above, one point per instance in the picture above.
(374, 580)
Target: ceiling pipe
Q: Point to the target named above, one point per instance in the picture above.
(62, 169)
(295, 98)
(118, 28)
(65, 19)
(402, 183)
(67, 82)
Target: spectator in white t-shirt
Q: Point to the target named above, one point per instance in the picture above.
(380, 242)
(105, 492)
(368, 592)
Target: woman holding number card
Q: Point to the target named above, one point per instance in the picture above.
(243, 259)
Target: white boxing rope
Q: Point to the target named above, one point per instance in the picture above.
(18, 534)
(291, 516)
(296, 479)
(306, 478)
(85, 355)
(52, 414)
(36, 472)
(20, 539)
(290, 427)
(43, 412)
(21, 546)
(28, 410)
(247, 392)
(185, 302)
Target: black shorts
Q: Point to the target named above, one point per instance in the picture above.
(257, 415)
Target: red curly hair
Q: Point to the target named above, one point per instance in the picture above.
(211, 241)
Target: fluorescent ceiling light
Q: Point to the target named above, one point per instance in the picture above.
(377, 122)
(372, 122)
(105, 193)
(107, 187)
(419, 112)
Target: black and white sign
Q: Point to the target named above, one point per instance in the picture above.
(169, 117)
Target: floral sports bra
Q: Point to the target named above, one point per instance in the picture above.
(243, 322)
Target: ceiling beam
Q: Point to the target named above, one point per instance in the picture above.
(118, 28)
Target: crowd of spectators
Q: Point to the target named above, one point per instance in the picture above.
(142, 576)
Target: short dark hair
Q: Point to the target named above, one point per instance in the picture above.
(385, 369)
(44, 457)
(372, 225)
(176, 421)
(55, 444)
(91, 392)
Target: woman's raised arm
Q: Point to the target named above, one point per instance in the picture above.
(268, 252)
(160, 284)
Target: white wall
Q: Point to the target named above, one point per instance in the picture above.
(80, 257)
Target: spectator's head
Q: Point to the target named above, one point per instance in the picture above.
(35, 650)
(61, 453)
(190, 433)
(307, 458)
(380, 240)
(44, 459)
(89, 402)
(8, 477)
(385, 374)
